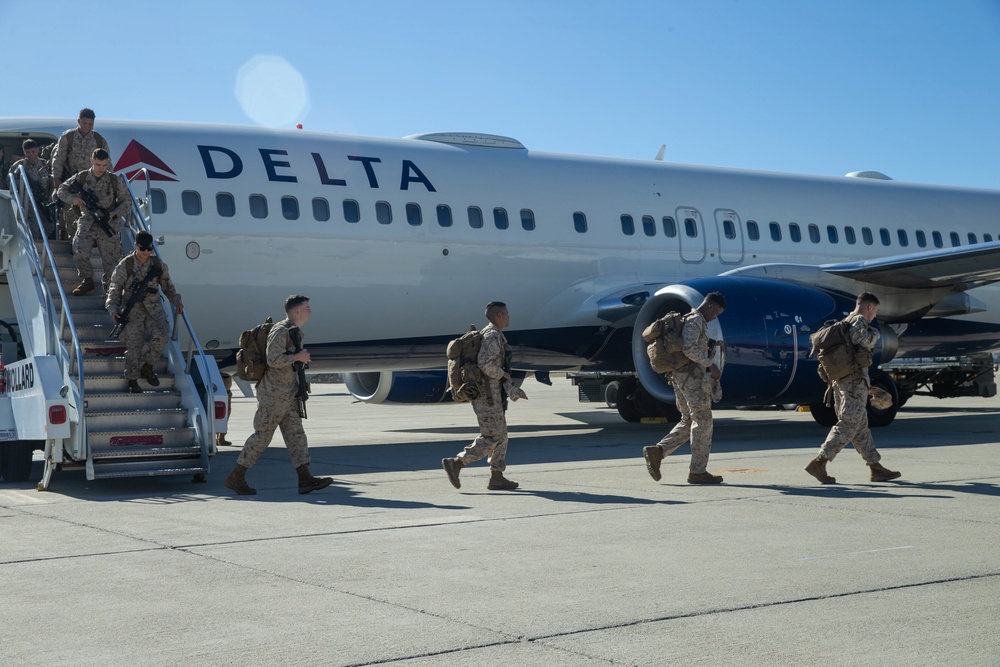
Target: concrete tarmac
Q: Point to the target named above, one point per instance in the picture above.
(589, 563)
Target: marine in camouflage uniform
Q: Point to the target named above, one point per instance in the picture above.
(147, 317)
(71, 155)
(850, 397)
(40, 182)
(111, 194)
(277, 403)
(693, 389)
(490, 406)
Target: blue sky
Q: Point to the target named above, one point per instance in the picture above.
(907, 87)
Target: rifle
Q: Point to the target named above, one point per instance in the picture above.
(139, 290)
(99, 215)
(302, 395)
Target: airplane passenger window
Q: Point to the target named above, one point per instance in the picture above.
(690, 227)
(444, 215)
(225, 204)
(352, 211)
(972, 239)
(383, 212)
(527, 219)
(159, 200)
(794, 232)
(191, 202)
(475, 217)
(500, 218)
(729, 229)
(921, 238)
(290, 208)
(670, 227)
(414, 215)
(884, 235)
(580, 222)
(628, 226)
(258, 206)
(987, 238)
(849, 235)
(753, 233)
(955, 241)
(648, 225)
(814, 233)
(831, 233)
(321, 209)
(866, 235)
(903, 239)
(938, 241)
(775, 231)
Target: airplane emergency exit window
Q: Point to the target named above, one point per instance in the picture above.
(159, 200)
(794, 232)
(903, 238)
(444, 215)
(753, 232)
(648, 225)
(383, 212)
(527, 219)
(690, 228)
(258, 206)
(290, 208)
(775, 231)
(729, 229)
(866, 236)
(814, 233)
(669, 227)
(955, 241)
(884, 235)
(500, 218)
(475, 217)
(413, 214)
(191, 202)
(352, 211)
(225, 204)
(628, 225)
(849, 235)
(580, 222)
(321, 209)
(921, 238)
(938, 241)
(972, 239)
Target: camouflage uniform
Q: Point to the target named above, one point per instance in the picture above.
(276, 402)
(492, 441)
(40, 181)
(850, 396)
(71, 155)
(693, 390)
(147, 316)
(89, 233)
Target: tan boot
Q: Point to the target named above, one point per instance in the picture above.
(237, 481)
(453, 466)
(308, 483)
(86, 286)
(704, 478)
(817, 468)
(653, 455)
(882, 474)
(220, 440)
(500, 483)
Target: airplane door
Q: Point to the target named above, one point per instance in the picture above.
(692, 235)
(727, 225)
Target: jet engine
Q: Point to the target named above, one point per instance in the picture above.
(399, 387)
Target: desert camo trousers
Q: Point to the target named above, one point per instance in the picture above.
(272, 414)
(693, 391)
(850, 401)
(492, 440)
(142, 320)
(87, 236)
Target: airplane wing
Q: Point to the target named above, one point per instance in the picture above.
(964, 268)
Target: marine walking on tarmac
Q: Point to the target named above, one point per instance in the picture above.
(496, 386)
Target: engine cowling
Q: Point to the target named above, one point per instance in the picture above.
(765, 337)
(399, 387)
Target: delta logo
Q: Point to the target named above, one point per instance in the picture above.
(135, 157)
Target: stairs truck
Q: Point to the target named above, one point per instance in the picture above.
(63, 390)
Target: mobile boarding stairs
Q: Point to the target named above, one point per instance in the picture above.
(65, 390)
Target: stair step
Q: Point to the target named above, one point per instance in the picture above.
(142, 469)
(120, 420)
(146, 452)
(151, 399)
(110, 364)
(115, 383)
(128, 438)
(93, 333)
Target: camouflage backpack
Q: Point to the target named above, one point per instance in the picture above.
(666, 346)
(837, 354)
(465, 379)
(251, 358)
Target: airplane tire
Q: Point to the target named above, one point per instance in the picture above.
(628, 403)
(611, 393)
(15, 461)
(823, 415)
(878, 418)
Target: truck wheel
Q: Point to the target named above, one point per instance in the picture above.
(611, 393)
(877, 418)
(628, 402)
(15, 461)
(824, 415)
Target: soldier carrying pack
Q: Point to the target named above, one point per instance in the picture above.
(465, 379)
(251, 358)
(838, 356)
(666, 345)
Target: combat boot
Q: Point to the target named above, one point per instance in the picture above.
(308, 483)
(704, 478)
(817, 468)
(653, 455)
(881, 473)
(220, 440)
(147, 372)
(500, 483)
(453, 466)
(86, 286)
(237, 481)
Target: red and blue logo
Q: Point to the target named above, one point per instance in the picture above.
(136, 156)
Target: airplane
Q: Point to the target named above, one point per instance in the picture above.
(400, 243)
